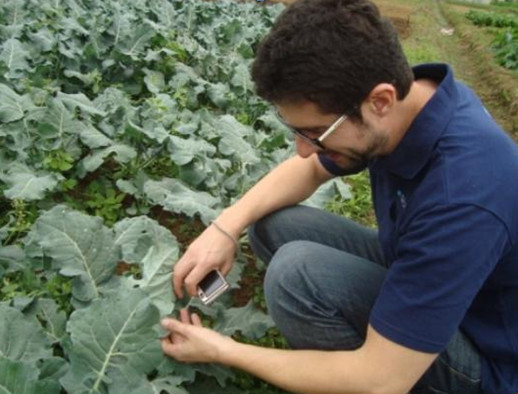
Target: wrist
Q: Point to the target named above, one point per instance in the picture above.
(235, 241)
(229, 351)
(233, 222)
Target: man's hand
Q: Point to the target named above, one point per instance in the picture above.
(211, 250)
(189, 341)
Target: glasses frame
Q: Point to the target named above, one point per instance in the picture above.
(317, 141)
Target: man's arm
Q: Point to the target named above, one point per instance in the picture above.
(291, 182)
(379, 366)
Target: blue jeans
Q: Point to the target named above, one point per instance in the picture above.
(324, 274)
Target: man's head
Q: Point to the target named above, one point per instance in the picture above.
(331, 53)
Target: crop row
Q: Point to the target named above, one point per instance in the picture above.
(505, 43)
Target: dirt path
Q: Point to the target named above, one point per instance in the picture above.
(473, 59)
(426, 26)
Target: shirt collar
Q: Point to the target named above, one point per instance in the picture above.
(416, 147)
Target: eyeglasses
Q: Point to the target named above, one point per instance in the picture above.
(318, 140)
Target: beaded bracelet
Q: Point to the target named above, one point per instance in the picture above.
(236, 243)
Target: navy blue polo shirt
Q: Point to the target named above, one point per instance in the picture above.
(446, 202)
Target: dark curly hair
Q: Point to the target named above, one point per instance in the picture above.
(332, 53)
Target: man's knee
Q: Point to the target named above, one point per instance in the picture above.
(263, 235)
(259, 245)
(287, 268)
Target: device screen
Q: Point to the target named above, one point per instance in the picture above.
(211, 282)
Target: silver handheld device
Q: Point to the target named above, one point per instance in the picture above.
(212, 286)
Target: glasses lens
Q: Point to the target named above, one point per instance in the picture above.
(312, 141)
(299, 133)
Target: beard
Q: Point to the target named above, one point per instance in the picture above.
(353, 161)
(350, 163)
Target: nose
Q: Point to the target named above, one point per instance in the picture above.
(304, 149)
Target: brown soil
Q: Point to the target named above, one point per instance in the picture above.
(398, 14)
(251, 280)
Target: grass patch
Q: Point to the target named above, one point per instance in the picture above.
(359, 207)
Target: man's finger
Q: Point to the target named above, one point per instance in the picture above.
(177, 284)
(181, 270)
(227, 267)
(195, 277)
(184, 316)
(174, 326)
(196, 320)
(168, 347)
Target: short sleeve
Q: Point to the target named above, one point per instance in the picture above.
(442, 261)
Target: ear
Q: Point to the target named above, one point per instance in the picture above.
(381, 99)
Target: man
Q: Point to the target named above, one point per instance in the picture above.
(428, 303)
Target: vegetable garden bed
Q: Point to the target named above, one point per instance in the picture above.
(122, 124)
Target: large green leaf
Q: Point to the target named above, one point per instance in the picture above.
(22, 338)
(152, 129)
(54, 319)
(14, 13)
(176, 197)
(57, 126)
(134, 44)
(154, 80)
(145, 242)
(43, 40)
(80, 246)
(92, 137)
(327, 192)
(121, 25)
(241, 79)
(113, 337)
(122, 153)
(112, 100)
(19, 141)
(15, 56)
(165, 12)
(167, 385)
(25, 184)
(12, 105)
(12, 256)
(233, 142)
(17, 377)
(219, 93)
(79, 100)
(248, 320)
(135, 186)
(53, 368)
(183, 151)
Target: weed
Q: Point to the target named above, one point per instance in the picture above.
(58, 160)
(105, 202)
(359, 207)
(22, 215)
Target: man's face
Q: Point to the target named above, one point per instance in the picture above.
(350, 145)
